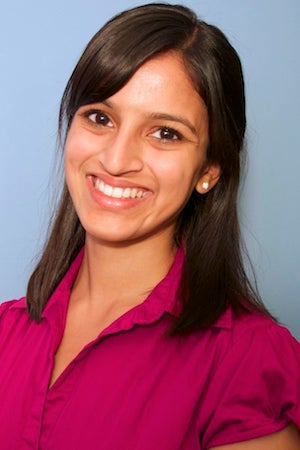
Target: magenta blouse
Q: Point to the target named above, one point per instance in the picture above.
(136, 388)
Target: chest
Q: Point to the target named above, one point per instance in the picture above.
(134, 386)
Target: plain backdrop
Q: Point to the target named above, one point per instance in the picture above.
(39, 44)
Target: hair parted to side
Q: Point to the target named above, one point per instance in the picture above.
(213, 275)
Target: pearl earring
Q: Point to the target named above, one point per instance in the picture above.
(205, 185)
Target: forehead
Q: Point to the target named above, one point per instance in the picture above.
(168, 68)
(163, 83)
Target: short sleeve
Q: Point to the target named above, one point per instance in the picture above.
(256, 389)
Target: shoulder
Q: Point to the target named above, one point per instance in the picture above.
(6, 305)
(18, 302)
(255, 387)
(11, 309)
(243, 329)
(259, 349)
(251, 333)
(254, 333)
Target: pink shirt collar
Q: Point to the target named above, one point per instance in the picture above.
(163, 299)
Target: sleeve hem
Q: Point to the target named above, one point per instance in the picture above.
(247, 435)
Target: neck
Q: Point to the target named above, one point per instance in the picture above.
(122, 275)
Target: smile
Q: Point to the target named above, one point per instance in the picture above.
(118, 192)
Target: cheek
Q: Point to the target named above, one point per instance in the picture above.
(78, 147)
(71, 153)
(69, 165)
(74, 156)
(179, 175)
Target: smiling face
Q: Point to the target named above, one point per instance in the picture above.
(133, 160)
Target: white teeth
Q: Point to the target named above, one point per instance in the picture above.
(126, 192)
(133, 193)
(118, 192)
(108, 190)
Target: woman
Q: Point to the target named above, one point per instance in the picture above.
(140, 329)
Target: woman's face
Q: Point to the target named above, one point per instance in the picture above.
(133, 160)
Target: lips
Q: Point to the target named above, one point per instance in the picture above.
(117, 191)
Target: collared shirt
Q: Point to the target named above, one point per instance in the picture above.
(135, 387)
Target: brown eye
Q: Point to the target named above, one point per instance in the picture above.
(167, 134)
(99, 118)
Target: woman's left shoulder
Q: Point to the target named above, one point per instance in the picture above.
(256, 385)
(261, 330)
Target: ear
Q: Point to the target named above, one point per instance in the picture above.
(208, 179)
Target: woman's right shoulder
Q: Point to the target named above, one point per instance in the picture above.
(10, 305)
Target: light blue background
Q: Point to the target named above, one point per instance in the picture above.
(39, 45)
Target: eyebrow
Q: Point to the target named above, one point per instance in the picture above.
(163, 116)
(174, 118)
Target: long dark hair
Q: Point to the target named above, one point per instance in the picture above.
(213, 274)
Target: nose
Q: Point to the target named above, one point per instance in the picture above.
(122, 154)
